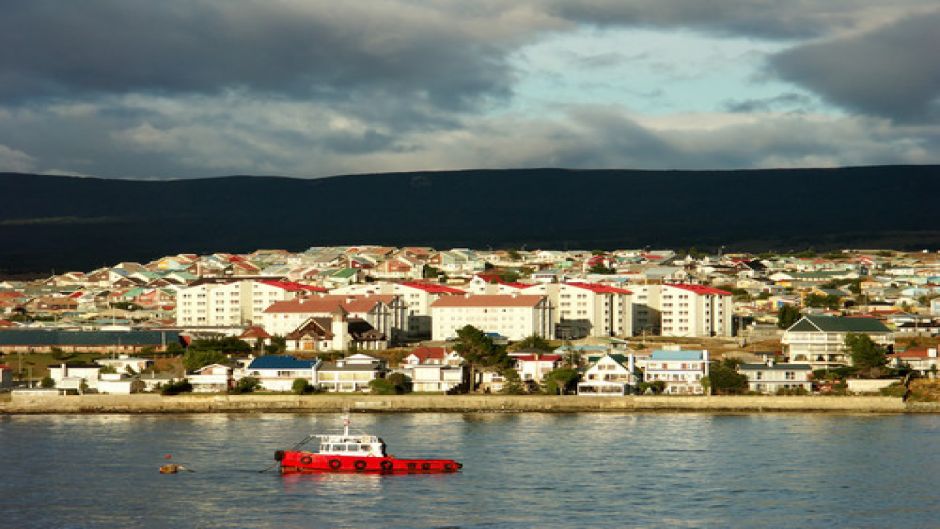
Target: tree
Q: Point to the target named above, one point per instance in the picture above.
(197, 358)
(381, 386)
(724, 379)
(278, 345)
(829, 301)
(478, 349)
(47, 382)
(245, 385)
(561, 380)
(301, 386)
(866, 354)
(513, 384)
(175, 388)
(514, 255)
(601, 269)
(174, 348)
(787, 316)
(533, 342)
(401, 382)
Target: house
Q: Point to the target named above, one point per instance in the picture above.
(338, 332)
(351, 374)
(123, 362)
(515, 316)
(72, 376)
(385, 313)
(534, 367)
(682, 371)
(820, 340)
(117, 384)
(433, 356)
(278, 372)
(434, 369)
(771, 377)
(609, 375)
(921, 359)
(213, 378)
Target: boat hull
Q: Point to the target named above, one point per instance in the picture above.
(307, 462)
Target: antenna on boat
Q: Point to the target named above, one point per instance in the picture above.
(346, 422)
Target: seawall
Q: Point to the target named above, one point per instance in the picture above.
(150, 403)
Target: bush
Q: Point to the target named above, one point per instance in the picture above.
(894, 390)
(792, 391)
(381, 386)
(175, 388)
(301, 387)
(47, 382)
(245, 385)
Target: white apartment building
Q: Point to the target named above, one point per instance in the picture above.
(589, 309)
(228, 302)
(646, 308)
(695, 311)
(820, 340)
(417, 296)
(515, 316)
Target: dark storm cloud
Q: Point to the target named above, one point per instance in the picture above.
(759, 18)
(788, 101)
(293, 49)
(892, 71)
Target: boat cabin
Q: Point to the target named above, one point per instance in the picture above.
(353, 445)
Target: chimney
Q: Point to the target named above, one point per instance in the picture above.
(65, 370)
(770, 361)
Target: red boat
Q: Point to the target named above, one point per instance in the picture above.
(355, 453)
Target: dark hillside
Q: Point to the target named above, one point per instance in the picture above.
(63, 223)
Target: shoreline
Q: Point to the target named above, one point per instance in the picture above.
(158, 404)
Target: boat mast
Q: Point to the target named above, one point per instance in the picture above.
(346, 424)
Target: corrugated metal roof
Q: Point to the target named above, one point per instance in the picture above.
(838, 324)
(42, 337)
(280, 362)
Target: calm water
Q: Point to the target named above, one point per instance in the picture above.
(526, 470)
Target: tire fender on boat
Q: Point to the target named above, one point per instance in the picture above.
(335, 464)
(360, 465)
(448, 467)
(306, 460)
(386, 466)
(425, 466)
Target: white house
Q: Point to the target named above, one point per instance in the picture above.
(682, 371)
(351, 374)
(515, 316)
(213, 378)
(434, 369)
(278, 372)
(921, 359)
(534, 367)
(123, 362)
(71, 376)
(820, 340)
(771, 377)
(116, 384)
(609, 375)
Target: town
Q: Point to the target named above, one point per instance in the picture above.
(373, 319)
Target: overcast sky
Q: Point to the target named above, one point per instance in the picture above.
(190, 88)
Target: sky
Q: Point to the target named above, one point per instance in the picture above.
(309, 88)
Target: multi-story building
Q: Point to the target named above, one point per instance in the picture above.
(771, 377)
(589, 309)
(515, 316)
(820, 340)
(385, 313)
(695, 311)
(228, 302)
(682, 371)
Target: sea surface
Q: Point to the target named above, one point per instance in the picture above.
(520, 470)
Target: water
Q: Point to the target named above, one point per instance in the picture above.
(520, 470)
